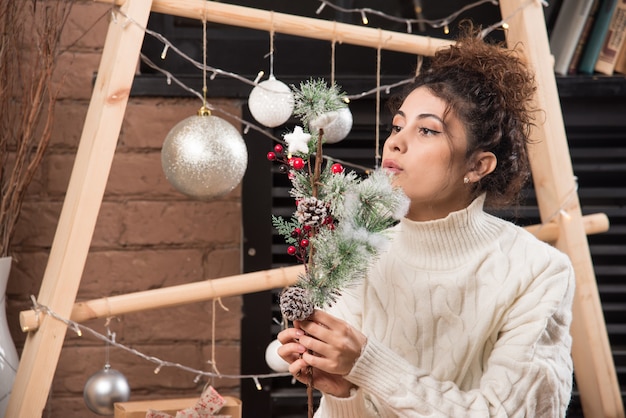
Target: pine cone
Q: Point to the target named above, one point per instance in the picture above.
(295, 304)
(311, 211)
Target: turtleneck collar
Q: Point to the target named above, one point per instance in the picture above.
(449, 242)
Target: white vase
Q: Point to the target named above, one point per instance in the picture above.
(8, 354)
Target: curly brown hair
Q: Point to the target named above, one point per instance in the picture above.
(490, 89)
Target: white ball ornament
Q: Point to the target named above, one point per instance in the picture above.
(204, 156)
(271, 102)
(336, 125)
(273, 360)
(103, 389)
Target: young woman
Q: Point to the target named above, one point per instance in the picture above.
(465, 314)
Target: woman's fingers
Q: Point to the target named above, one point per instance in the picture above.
(322, 341)
(289, 334)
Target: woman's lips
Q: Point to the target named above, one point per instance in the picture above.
(391, 166)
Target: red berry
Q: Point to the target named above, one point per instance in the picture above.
(297, 163)
(304, 243)
(307, 228)
(271, 156)
(278, 149)
(291, 250)
(296, 232)
(336, 168)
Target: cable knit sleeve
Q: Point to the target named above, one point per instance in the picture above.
(528, 371)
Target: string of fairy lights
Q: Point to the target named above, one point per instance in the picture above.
(409, 22)
(443, 22)
(109, 339)
(247, 125)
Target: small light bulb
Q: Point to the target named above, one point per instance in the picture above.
(258, 76)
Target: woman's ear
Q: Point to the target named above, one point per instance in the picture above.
(484, 163)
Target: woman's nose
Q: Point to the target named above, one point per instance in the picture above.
(395, 142)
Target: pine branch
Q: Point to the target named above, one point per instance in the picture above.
(341, 220)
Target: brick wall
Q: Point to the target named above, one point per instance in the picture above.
(147, 236)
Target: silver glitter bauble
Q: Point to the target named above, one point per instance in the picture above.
(273, 360)
(204, 157)
(103, 389)
(336, 125)
(271, 102)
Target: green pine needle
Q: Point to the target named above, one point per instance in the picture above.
(285, 228)
(314, 98)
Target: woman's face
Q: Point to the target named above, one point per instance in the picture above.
(426, 153)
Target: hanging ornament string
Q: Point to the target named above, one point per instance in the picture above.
(332, 54)
(378, 63)
(107, 347)
(213, 322)
(418, 65)
(271, 53)
(204, 110)
(332, 62)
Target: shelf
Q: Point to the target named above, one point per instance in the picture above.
(591, 86)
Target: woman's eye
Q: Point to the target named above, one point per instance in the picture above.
(395, 128)
(428, 132)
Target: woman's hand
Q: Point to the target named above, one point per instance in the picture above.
(331, 346)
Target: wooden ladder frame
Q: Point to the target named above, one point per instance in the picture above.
(551, 166)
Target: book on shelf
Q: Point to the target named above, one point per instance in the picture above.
(605, 64)
(567, 29)
(620, 64)
(550, 12)
(583, 38)
(596, 38)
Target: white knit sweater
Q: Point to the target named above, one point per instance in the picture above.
(466, 316)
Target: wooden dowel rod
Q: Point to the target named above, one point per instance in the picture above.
(233, 285)
(174, 295)
(593, 224)
(307, 27)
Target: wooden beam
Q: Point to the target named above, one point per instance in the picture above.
(306, 27)
(80, 211)
(174, 295)
(556, 190)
